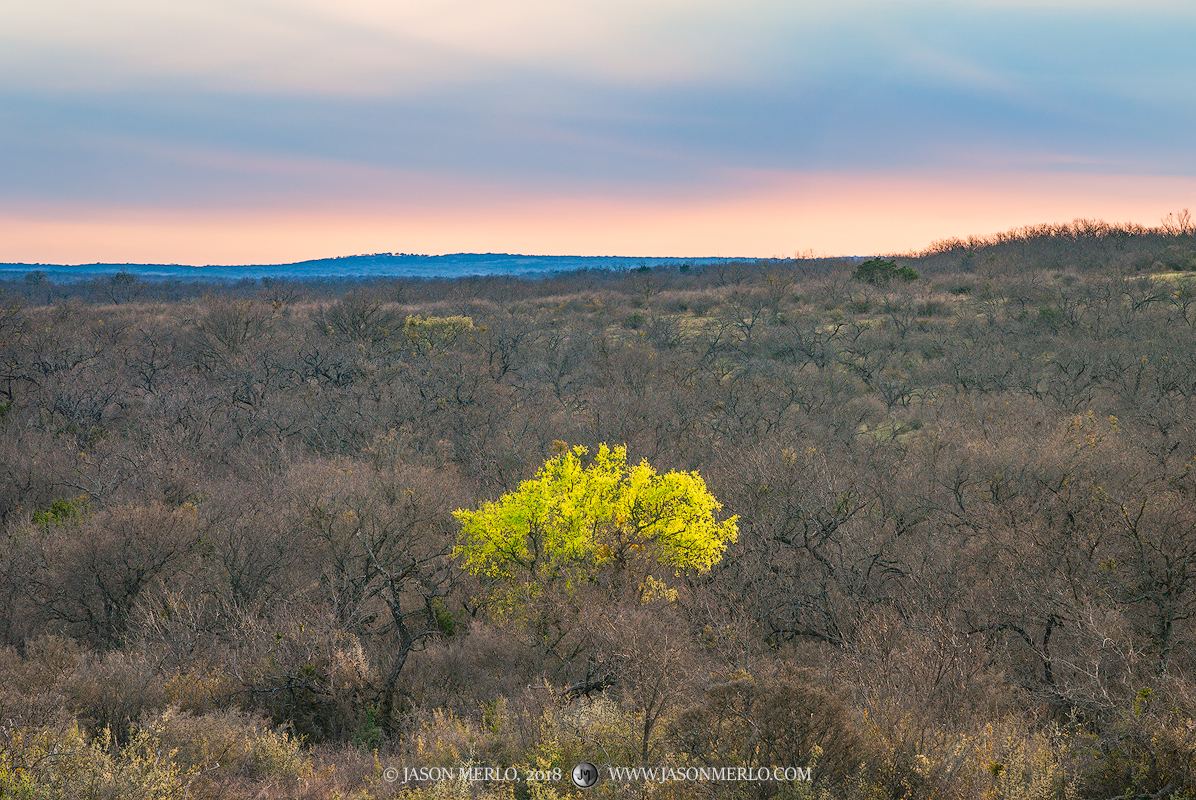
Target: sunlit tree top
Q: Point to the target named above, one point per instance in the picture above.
(572, 518)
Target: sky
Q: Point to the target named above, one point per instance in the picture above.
(268, 131)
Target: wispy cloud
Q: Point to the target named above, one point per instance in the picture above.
(278, 105)
(370, 46)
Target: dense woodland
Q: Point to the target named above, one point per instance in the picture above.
(966, 511)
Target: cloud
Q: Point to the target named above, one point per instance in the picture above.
(371, 46)
(280, 105)
(385, 47)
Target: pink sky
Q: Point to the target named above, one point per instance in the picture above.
(759, 215)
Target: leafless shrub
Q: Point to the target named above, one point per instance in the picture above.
(771, 720)
(97, 567)
(302, 670)
(113, 690)
(362, 317)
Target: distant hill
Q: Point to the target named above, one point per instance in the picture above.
(359, 266)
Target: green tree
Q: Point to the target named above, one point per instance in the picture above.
(880, 272)
(605, 524)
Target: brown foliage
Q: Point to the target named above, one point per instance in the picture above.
(965, 504)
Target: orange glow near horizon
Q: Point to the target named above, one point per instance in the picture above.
(763, 215)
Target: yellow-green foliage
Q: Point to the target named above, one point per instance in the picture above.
(460, 790)
(57, 764)
(1006, 761)
(231, 743)
(600, 725)
(436, 330)
(557, 739)
(163, 759)
(61, 511)
(571, 520)
(445, 740)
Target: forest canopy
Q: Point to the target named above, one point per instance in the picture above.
(930, 538)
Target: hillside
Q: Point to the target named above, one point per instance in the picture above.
(965, 562)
